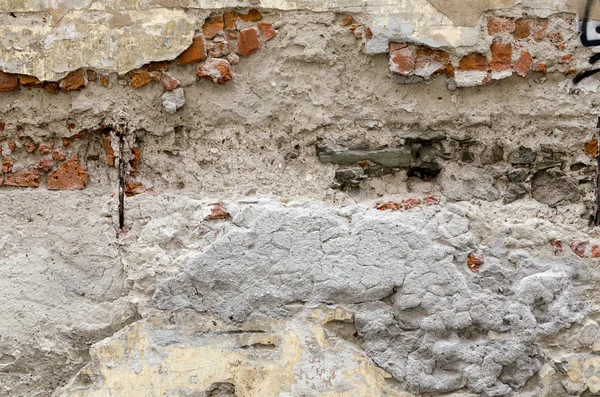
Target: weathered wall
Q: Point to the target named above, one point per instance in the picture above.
(323, 199)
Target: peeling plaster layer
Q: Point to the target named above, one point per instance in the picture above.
(116, 42)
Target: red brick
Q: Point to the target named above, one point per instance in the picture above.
(91, 75)
(108, 150)
(133, 188)
(141, 78)
(215, 69)
(59, 154)
(169, 83)
(217, 212)
(213, 26)
(195, 53)
(25, 178)
(540, 29)
(523, 27)
(566, 59)
(570, 70)
(558, 247)
(347, 20)
(579, 247)
(44, 164)
(8, 82)
(12, 145)
(473, 62)
(30, 81)
(266, 31)
(51, 86)
(7, 164)
(401, 60)
(555, 37)
(500, 25)
(46, 148)
(229, 18)
(247, 42)
(540, 67)
(251, 16)
(74, 81)
(104, 80)
(159, 66)
(595, 251)
(523, 65)
(136, 155)
(30, 146)
(217, 49)
(70, 175)
(475, 261)
(430, 63)
(501, 56)
(591, 147)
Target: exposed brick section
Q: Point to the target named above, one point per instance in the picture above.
(136, 155)
(8, 82)
(215, 69)
(213, 26)
(140, 79)
(159, 66)
(30, 146)
(540, 67)
(92, 75)
(217, 212)
(217, 49)
(229, 18)
(347, 21)
(500, 25)
(30, 81)
(266, 31)
(59, 154)
(169, 83)
(475, 261)
(523, 65)
(70, 175)
(133, 188)
(429, 63)
(46, 148)
(74, 81)
(104, 80)
(25, 178)
(108, 150)
(251, 16)
(402, 60)
(473, 62)
(44, 164)
(195, 53)
(540, 29)
(523, 28)
(51, 86)
(591, 147)
(12, 145)
(7, 164)
(565, 59)
(579, 247)
(595, 251)
(501, 56)
(248, 42)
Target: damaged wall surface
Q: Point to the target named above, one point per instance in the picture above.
(318, 199)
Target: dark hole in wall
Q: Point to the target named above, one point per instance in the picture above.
(423, 173)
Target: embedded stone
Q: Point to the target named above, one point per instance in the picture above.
(174, 100)
(30, 81)
(553, 188)
(248, 42)
(399, 157)
(141, 78)
(522, 156)
(7, 164)
(429, 63)
(44, 164)
(70, 175)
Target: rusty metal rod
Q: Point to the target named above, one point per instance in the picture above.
(121, 181)
(597, 184)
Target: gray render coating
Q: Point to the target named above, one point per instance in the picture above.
(420, 313)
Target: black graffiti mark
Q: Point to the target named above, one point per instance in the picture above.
(587, 42)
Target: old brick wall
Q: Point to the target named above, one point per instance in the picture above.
(348, 199)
